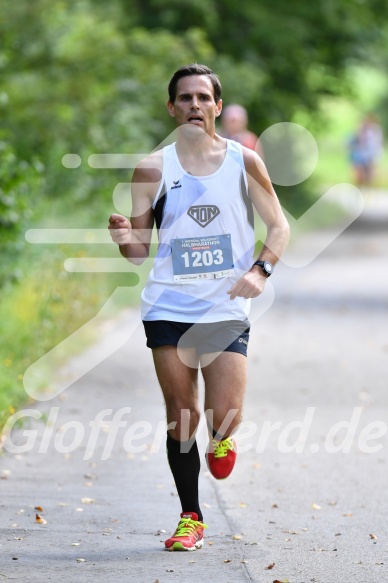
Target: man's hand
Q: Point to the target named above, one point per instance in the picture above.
(249, 285)
(120, 229)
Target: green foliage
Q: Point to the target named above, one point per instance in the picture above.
(301, 49)
(77, 81)
(20, 185)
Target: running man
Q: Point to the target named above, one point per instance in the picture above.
(200, 193)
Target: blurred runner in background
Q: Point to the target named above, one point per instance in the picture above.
(365, 148)
(234, 127)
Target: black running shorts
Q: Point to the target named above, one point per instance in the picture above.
(228, 336)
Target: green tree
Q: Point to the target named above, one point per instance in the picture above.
(301, 49)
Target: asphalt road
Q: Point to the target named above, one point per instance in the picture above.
(306, 501)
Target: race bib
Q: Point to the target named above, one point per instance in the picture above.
(202, 257)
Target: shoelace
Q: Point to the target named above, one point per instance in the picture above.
(221, 447)
(187, 526)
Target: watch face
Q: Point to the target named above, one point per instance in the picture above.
(268, 267)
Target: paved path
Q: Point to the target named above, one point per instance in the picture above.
(318, 357)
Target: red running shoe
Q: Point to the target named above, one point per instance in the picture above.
(188, 535)
(221, 457)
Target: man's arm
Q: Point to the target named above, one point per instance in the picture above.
(267, 205)
(134, 236)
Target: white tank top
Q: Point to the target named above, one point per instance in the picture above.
(206, 242)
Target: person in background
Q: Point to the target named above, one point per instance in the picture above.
(365, 148)
(234, 127)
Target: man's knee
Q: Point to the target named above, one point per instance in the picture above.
(186, 416)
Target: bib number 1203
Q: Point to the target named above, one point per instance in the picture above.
(200, 258)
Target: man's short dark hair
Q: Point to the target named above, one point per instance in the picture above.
(194, 69)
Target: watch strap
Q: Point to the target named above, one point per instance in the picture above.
(262, 264)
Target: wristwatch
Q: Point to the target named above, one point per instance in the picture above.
(266, 266)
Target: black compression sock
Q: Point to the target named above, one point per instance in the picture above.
(185, 466)
(216, 435)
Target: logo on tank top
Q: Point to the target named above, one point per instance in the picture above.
(204, 214)
(176, 184)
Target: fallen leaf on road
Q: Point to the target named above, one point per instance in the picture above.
(209, 542)
(237, 537)
(169, 570)
(81, 560)
(332, 503)
(348, 514)
(315, 507)
(39, 508)
(40, 520)
(227, 560)
(373, 536)
(275, 506)
(244, 561)
(87, 500)
(206, 505)
(75, 544)
(243, 505)
(271, 566)
(90, 477)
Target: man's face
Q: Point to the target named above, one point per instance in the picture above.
(194, 103)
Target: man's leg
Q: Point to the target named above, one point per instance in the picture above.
(179, 385)
(225, 382)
